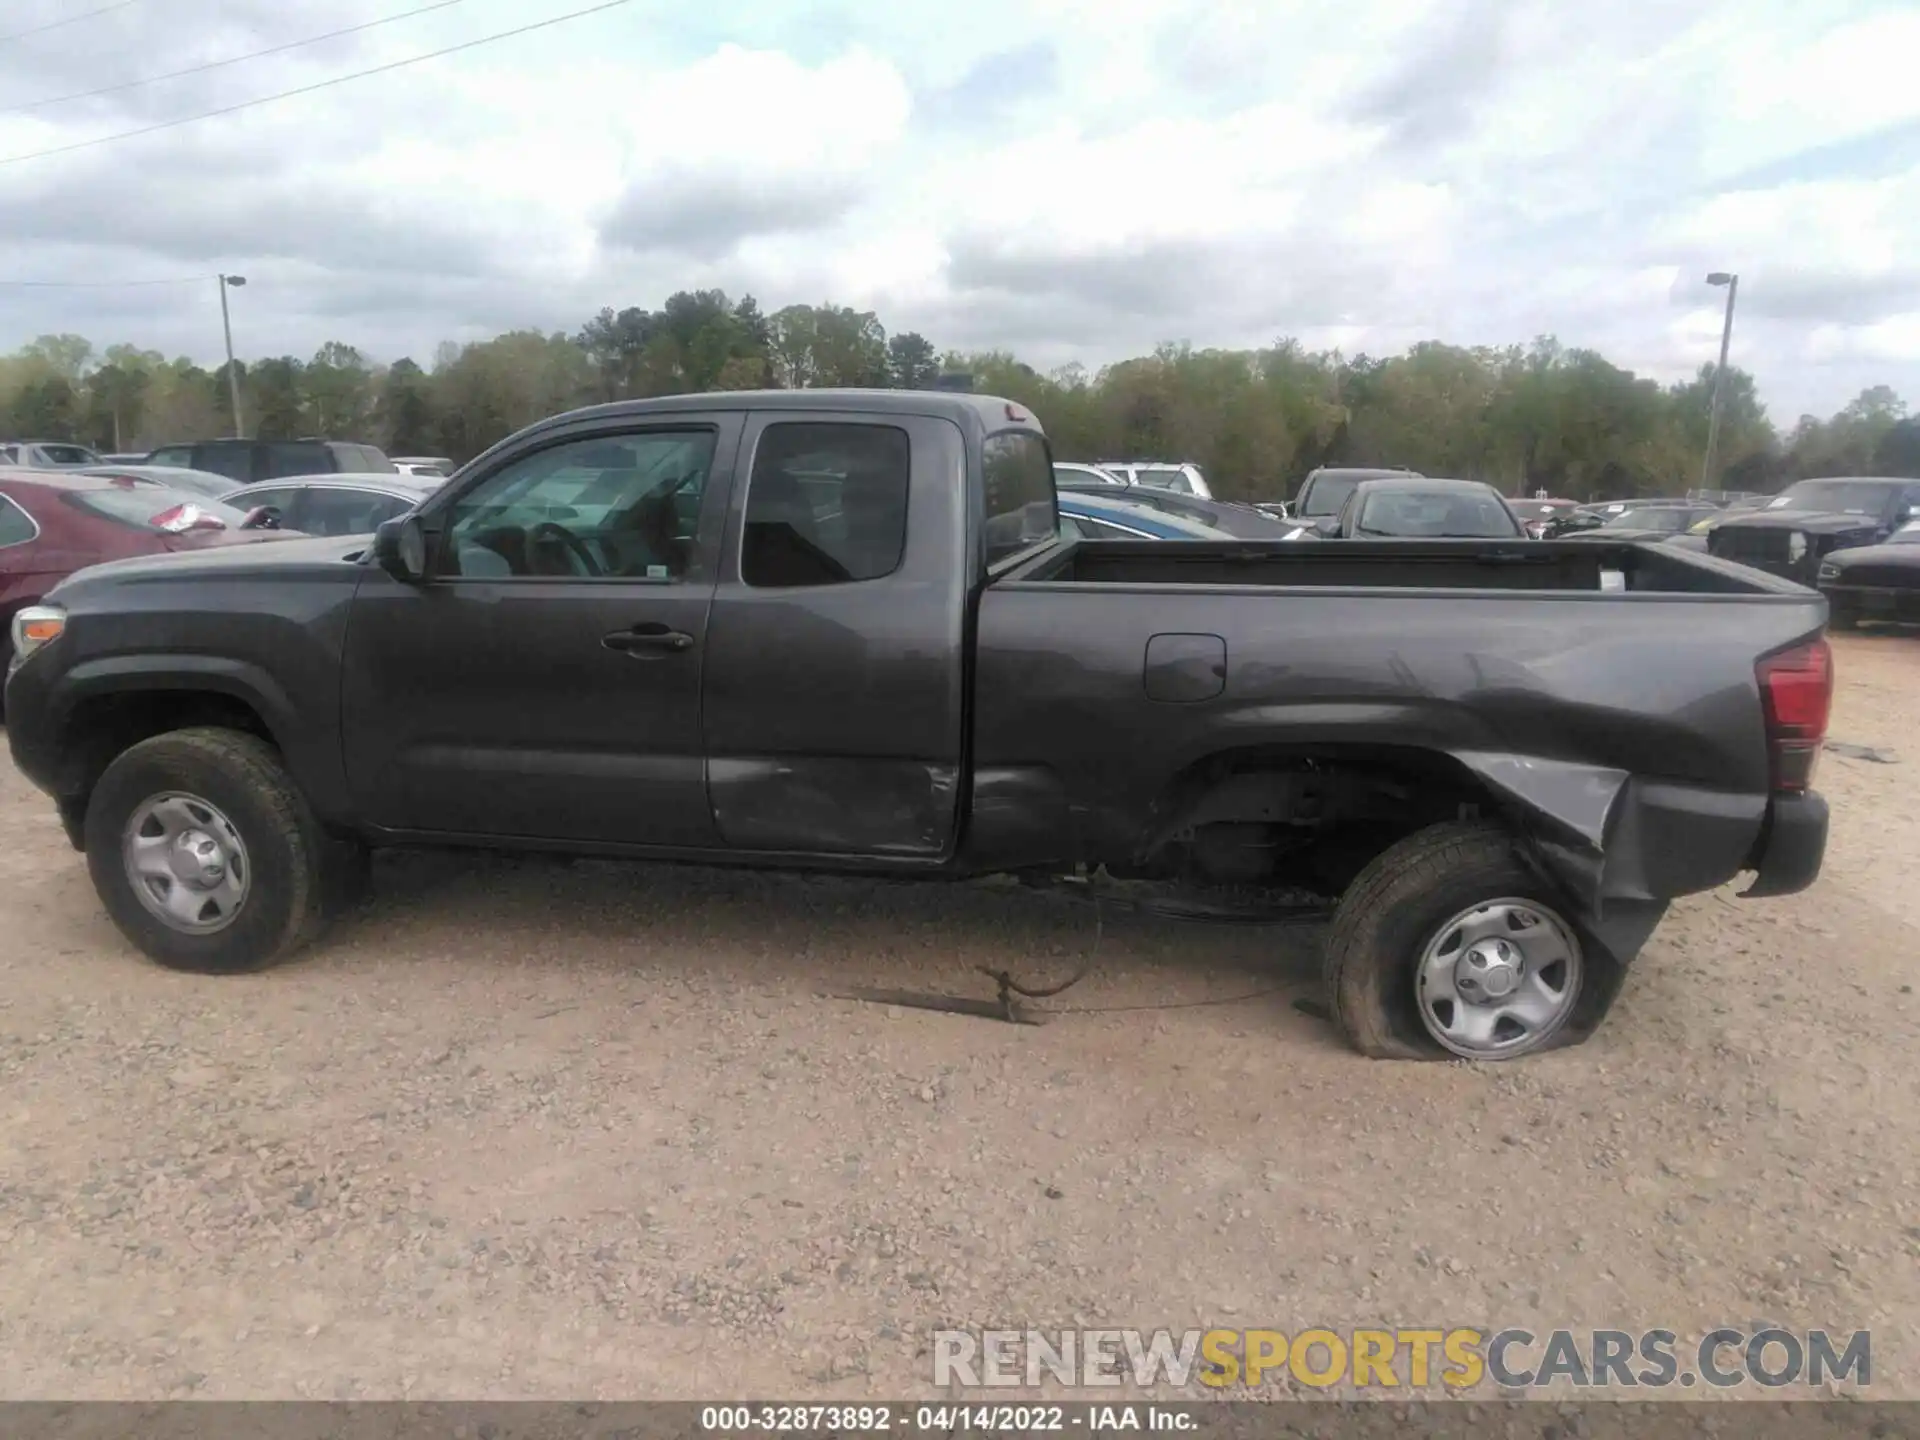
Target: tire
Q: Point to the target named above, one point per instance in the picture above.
(229, 784)
(1409, 898)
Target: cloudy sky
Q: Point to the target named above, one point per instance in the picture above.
(1071, 179)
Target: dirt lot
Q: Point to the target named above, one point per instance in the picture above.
(536, 1129)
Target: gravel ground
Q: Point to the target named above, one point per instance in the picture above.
(535, 1129)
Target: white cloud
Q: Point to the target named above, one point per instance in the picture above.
(1077, 179)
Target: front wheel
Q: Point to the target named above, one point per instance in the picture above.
(1449, 944)
(205, 853)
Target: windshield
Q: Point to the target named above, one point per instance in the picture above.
(1850, 497)
(1434, 515)
(143, 506)
(1649, 519)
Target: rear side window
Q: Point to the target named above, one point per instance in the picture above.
(1019, 493)
(347, 512)
(233, 461)
(68, 455)
(826, 505)
(16, 526)
(297, 458)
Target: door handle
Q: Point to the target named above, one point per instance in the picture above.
(648, 639)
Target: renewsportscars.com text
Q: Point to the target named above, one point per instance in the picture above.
(1412, 1358)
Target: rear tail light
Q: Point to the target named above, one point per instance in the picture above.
(181, 518)
(1796, 694)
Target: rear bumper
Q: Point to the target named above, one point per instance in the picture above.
(1791, 846)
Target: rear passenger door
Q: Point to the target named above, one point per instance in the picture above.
(832, 698)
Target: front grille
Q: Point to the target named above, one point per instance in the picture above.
(1893, 577)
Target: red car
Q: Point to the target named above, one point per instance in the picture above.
(53, 523)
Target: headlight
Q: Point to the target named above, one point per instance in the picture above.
(35, 626)
(1829, 570)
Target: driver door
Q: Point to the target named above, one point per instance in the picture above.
(544, 683)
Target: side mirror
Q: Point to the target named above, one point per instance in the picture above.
(1327, 527)
(400, 549)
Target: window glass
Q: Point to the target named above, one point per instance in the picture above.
(179, 455)
(625, 506)
(1102, 530)
(827, 504)
(328, 511)
(297, 458)
(1020, 499)
(16, 526)
(68, 455)
(233, 461)
(281, 500)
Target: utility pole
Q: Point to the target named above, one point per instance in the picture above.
(233, 378)
(1732, 282)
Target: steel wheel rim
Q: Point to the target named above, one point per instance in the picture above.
(186, 863)
(1499, 979)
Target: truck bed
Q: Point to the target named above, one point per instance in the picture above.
(1563, 566)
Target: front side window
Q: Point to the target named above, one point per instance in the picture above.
(1021, 506)
(297, 458)
(826, 505)
(280, 501)
(16, 526)
(612, 506)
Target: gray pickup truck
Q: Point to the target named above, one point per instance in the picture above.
(840, 631)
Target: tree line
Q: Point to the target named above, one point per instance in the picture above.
(1526, 418)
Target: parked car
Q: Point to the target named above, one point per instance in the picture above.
(1660, 523)
(52, 524)
(1224, 517)
(428, 465)
(1592, 516)
(1811, 519)
(46, 454)
(1418, 507)
(1088, 515)
(1070, 476)
(333, 504)
(1874, 582)
(1535, 515)
(1326, 489)
(714, 667)
(245, 461)
(168, 477)
(1160, 475)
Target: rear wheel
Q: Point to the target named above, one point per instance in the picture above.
(205, 853)
(1450, 944)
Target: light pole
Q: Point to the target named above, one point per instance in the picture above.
(233, 379)
(1732, 282)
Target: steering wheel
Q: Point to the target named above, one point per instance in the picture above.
(549, 530)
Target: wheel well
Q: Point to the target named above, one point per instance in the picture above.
(1354, 799)
(103, 727)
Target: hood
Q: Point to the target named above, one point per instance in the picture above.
(303, 558)
(1813, 522)
(1904, 557)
